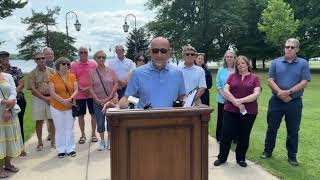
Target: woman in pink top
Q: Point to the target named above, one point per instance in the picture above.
(240, 110)
(103, 87)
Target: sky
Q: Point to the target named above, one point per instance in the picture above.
(101, 22)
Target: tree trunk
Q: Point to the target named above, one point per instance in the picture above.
(263, 63)
(254, 63)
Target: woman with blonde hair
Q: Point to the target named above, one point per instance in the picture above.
(223, 73)
(11, 143)
(63, 88)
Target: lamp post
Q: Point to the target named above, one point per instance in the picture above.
(77, 25)
(126, 28)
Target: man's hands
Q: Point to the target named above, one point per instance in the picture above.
(284, 96)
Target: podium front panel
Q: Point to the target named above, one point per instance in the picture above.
(159, 144)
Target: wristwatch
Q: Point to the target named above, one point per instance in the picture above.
(290, 92)
(9, 110)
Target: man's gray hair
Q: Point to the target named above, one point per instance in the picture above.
(46, 49)
(189, 48)
(295, 41)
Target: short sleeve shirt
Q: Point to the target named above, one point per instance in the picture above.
(39, 79)
(241, 88)
(82, 73)
(287, 75)
(60, 89)
(109, 80)
(121, 67)
(160, 88)
(194, 77)
(17, 74)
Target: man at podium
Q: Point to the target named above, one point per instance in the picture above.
(157, 83)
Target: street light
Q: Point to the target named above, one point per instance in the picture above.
(126, 28)
(77, 25)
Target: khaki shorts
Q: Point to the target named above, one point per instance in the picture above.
(40, 109)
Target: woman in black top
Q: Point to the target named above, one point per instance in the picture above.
(200, 61)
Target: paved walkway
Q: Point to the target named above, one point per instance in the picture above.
(91, 164)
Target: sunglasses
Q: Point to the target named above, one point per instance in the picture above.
(40, 58)
(189, 54)
(156, 50)
(290, 47)
(83, 52)
(119, 50)
(101, 57)
(65, 64)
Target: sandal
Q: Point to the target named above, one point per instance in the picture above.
(3, 174)
(39, 147)
(10, 168)
(82, 140)
(94, 139)
(23, 153)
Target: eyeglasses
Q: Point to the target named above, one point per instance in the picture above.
(162, 50)
(101, 57)
(189, 54)
(290, 47)
(65, 64)
(119, 50)
(83, 52)
(38, 58)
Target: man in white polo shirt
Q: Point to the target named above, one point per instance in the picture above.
(121, 66)
(194, 76)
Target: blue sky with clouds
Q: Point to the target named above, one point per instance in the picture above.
(101, 21)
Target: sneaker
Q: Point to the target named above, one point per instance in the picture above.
(72, 154)
(61, 155)
(293, 161)
(49, 137)
(218, 162)
(102, 146)
(242, 163)
(265, 155)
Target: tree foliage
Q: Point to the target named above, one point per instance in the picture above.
(40, 37)
(7, 6)
(139, 37)
(212, 26)
(278, 22)
(307, 11)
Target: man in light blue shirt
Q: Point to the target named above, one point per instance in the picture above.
(157, 82)
(121, 66)
(194, 76)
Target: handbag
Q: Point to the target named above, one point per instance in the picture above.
(75, 108)
(16, 109)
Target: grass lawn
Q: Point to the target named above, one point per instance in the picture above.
(309, 136)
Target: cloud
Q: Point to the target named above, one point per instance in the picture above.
(99, 29)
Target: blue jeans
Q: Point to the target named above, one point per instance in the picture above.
(100, 118)
(292, 114)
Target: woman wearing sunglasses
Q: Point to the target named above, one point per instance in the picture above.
(140, 59)
(63, 88)
(103, 86)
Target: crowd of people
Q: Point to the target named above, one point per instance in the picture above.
(62, 91)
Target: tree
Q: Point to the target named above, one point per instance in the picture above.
(140, 37)
(278, 23)
(307, 11)
(41, 36)
(7, 6)
(211, 26)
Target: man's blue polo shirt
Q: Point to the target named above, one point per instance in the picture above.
(160, 88)
(287, 75)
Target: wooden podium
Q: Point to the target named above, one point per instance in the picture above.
(159, 144)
